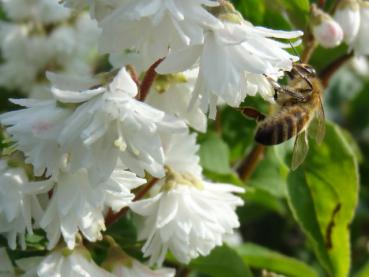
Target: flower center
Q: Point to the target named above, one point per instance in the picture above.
(226, 12)
(163, 82)
(174, 179)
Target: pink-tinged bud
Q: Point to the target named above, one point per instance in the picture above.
(347, 16)
(361, 42)
(327, 32)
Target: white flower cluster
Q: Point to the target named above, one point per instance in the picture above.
(350, 24)
(97, 139)
(231, 57)
(43, 35)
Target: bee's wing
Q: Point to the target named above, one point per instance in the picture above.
(300, 150)
(318, 132)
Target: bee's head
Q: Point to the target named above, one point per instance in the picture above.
(302, 69)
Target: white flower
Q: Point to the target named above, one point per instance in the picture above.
(45, 11)
(99, 9)
(17, 210)
(112, 124)
(234, 239)
(189, 217)
(117, 189)
(360, 65)
(78, 204)
(17, 75)
(327, 32)
(173, 93)
(87, 34)
(66, 81)
(6, 267)
(137, 269)
(180, 151)
(347, 15)
(66, 264)
(31, 47)
(36, 130)
(233, 62)
(360, 44)
(151, 26)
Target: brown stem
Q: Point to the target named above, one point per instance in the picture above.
(322, 3)
(218, 124)
(111, 217)
(145, 189)
(326, 74)
(184, 272)
(148, 80)
(251, 161)
(309, 46)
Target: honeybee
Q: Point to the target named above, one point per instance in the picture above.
(300, 105)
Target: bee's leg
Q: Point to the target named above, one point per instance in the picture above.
(277, 87)
(301, 95)
(308, 82)
(252, 113)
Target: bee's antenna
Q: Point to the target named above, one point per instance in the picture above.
(294, 50)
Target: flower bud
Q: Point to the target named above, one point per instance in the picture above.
(326, 31)
(347, 16)
(361, 42)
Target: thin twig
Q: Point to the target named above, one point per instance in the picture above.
(111, 218)
(309, 46)
(148, 80)
(145, 189)
(218, 124)
(322, 3)
(251, 161)
(326, 74)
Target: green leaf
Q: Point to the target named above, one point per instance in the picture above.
(364, 271)
(37, 241)
(214, 154)
(302, 5)
(231, 178)
(276, 20)
(237, 132)
(123, 231)
(323, 56)
(264, 258)
(265, 199)
(297, 10)
(223, 261)
(322, 195)
(252, 10)
(302, 205)
(270, 175)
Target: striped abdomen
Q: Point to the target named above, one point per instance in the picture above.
(284, 125)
